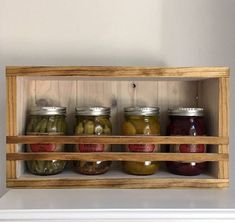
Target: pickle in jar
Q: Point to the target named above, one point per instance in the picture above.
(104, 122)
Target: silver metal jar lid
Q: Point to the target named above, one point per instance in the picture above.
(47, 110)
(142, 110)
(181, 111)
(93, 111)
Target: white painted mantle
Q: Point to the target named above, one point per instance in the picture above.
(119, 215)
(118, 205)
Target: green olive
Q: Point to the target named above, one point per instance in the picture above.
(79, 129)
(128, 128)
(107, 130)
(104, 121)
(89, 127)
(139, 125)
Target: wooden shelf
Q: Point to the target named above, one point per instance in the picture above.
(116, 178)
(118, 87)
(119, 156)
(127, 183)
(119, 71)
(118, 139)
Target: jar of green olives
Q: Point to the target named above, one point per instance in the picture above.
(141, 121)
(92, 121)
(45, 121)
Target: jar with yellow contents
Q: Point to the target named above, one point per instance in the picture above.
(141, 121)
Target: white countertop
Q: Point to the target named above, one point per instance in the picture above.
(117, 204)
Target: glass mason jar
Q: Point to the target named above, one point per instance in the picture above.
(186, 122)
(92, 121)
(45, 121)
(141, 121)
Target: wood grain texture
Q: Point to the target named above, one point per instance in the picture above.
(21, 115)
(67, 98)
(118, 139)
(11, 123)
(208, 98)
(115, 94)
(118, 71)
(131, 183)
(223, 172)
(118, 87)
(119, 156)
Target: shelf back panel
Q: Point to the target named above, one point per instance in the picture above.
(114, 94)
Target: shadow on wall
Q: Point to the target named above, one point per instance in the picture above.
(70, 60)
(2, 131)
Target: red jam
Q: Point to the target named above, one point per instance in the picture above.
(186, 122)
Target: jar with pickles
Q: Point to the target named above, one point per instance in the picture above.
(45, 121)
(141, 121)
(92, 121)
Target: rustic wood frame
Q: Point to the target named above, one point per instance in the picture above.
(222, 180)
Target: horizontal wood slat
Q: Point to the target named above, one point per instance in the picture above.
(118, 71)
(117, 139)
(126, 183)
(118, 156)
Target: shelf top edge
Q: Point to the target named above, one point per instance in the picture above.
(119, 71)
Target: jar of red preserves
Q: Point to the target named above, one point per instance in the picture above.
(186, 122)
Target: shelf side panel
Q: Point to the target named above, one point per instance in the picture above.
(223, 172)
(208, 98)
(11, 123)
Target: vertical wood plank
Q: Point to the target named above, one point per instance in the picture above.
(223, 172)
(31, 93)
(67, 98)
(47, 92)
(208, 91)
(21, 98)
(26, 98)
(11, 123)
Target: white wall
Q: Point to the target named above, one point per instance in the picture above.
(85, 32)
(123, 32)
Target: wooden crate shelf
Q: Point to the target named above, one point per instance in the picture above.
(206, 87)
